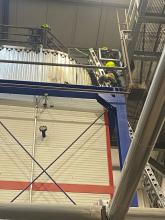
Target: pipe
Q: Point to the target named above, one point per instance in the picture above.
(62, 64)
(44, 212)
(146, 134)
(70, 145)
(33, 148)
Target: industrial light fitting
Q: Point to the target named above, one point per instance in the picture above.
(43, 130)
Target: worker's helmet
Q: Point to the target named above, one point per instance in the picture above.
(45, 26)
(104, 48)
(110, 64)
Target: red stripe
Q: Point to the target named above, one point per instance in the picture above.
(109, 157)
(75, 188)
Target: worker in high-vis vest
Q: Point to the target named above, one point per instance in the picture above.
(45, 27)
(110, 75)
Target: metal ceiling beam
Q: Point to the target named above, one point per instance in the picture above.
(145, 137)
(63, 64)
(152, 19)
(112, 4)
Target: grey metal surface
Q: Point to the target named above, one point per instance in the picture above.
(43, 212)
(76, 24)
(145, 137)
(107, 3)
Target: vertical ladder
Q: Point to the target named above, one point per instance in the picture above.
(150, 183)
(100, 72)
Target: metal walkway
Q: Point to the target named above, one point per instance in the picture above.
(142, 37)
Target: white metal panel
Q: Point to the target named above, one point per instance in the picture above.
(7, 195)
(38, 73)
(15, 164)
(86, 161)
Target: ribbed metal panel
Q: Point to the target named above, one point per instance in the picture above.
(14, 162)
(37, 73)
(7, 195)
(84, 163)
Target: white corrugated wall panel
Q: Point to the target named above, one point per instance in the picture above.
(38, 73)
(15, 164)
(7, 195)
(86, 161)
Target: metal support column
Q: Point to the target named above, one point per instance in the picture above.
(117, 111)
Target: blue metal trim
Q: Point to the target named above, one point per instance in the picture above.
(53, 89)
(119, 124)
(124, 139)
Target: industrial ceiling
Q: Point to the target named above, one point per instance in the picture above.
(81, 24)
